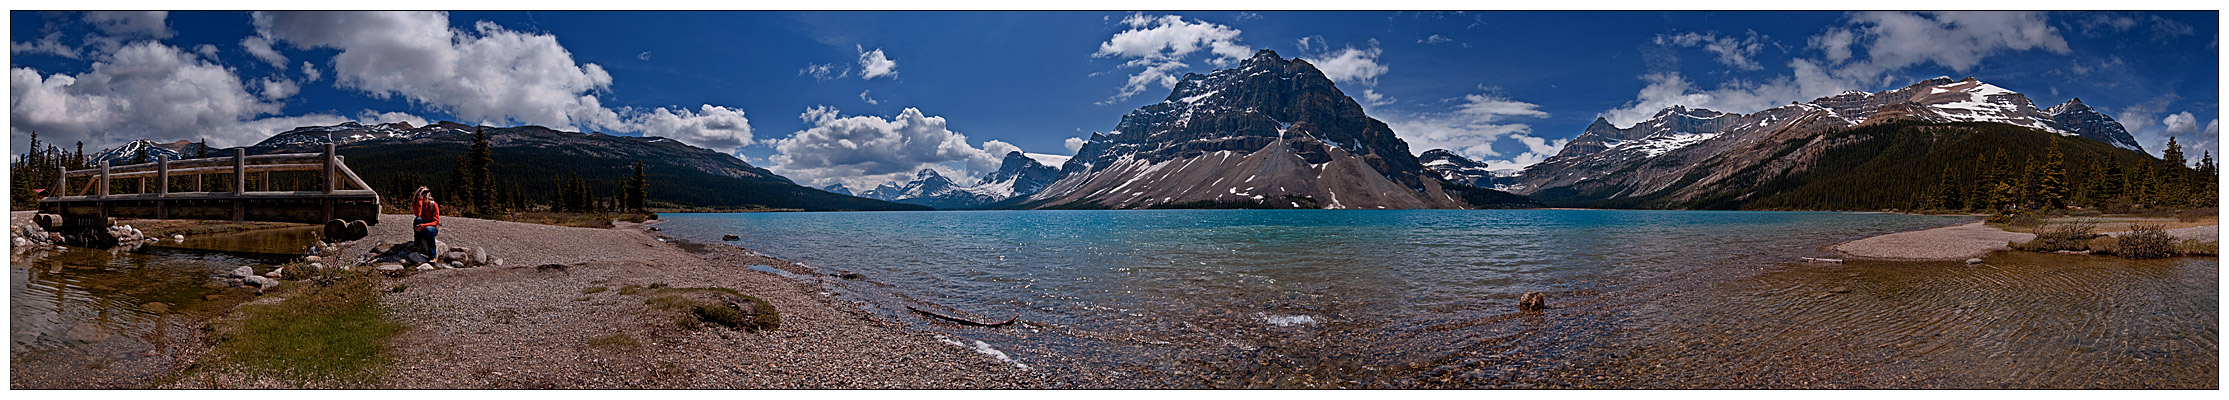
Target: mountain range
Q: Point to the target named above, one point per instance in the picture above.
(1268, 133)
(1684, 157)
(1017, 175)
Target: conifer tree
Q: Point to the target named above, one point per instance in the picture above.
(2051, 182)
(203, 151)
(459, 195)
(637, 189)
(2174, 153)
(2111, 181)
(483, 190)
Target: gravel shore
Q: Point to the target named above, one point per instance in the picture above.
(1957, 242)
(518, 326)
(1961, 242)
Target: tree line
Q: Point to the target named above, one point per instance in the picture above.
(1999, 183)
(471, 190)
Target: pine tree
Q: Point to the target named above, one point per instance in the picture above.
(483, 194)
(203, 151)
(460, 185)
(637, 189)
(2174, 153)
(2051, 182)
(2109, 185)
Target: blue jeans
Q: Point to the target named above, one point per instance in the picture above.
(425, 236)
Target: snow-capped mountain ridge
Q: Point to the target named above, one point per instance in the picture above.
(1701, 152)
(130, 152)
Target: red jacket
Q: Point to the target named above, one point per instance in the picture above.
(427, 211)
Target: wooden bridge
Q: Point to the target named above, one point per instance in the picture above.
(335, 195)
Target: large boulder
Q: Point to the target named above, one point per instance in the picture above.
(243, 272)
(260, 283)
(479, 255)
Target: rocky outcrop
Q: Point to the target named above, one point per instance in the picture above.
(1270, 133)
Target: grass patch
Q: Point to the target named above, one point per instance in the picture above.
(718, 306)
(594, 290)
(334, 333)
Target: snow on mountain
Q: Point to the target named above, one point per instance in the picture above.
(1687, 147)
(139, 151)
(1019, 174)
(1268, 133)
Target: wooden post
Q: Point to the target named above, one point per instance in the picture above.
(239, 183)
(162, 176)
(239, 170)
(329, 181)
(61, 182)
(104, 190)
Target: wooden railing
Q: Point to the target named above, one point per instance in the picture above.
(336, 178)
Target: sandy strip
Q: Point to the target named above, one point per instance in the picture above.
(1946, 243)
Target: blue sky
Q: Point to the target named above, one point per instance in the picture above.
(861, 98)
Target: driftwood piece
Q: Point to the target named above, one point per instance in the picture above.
(964, 321)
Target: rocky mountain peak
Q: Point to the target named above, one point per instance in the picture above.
(1266, 108)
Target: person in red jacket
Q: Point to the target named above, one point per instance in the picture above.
(427, 220)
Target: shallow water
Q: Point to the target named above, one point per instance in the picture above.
(1425, 298)
(91, 309)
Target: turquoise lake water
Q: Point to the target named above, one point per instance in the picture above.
(1426, 298)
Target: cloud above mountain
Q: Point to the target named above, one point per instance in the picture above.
(1471, 128)
(1159, 46)
(864, 151)
(1889, 42)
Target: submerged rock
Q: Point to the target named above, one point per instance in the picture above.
(1972, 261)
(730, 237)
(1532, 301)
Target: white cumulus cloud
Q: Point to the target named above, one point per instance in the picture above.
(1351, 65)
(1073, 144)
(874, 64)
(1471, 128)
(713, 127)
(865, 151)
(260, 47)
(310, 72)
(1158, 45)
(145, 90)
(487, 75)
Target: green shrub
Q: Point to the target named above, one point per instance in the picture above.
(2068, 236)
(2146, 241)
